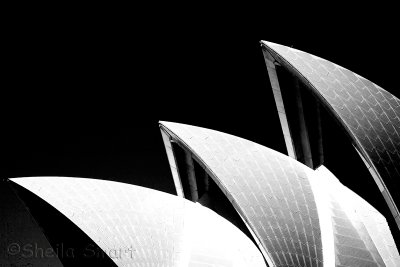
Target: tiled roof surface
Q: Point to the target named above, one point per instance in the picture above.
(350, 248)
(137, 226)
(371, 114)
(270, 191)
(379, 232)
(361, 234)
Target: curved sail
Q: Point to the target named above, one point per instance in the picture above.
(369, 114)
(136, 226)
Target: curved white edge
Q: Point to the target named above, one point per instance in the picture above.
(172, 163)
(322, 202)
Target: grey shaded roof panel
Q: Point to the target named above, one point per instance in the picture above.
(350, 247)
(370, 114)
(22, 241)
(269, 190)
(136, 226)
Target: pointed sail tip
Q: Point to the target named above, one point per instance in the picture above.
(267, 43)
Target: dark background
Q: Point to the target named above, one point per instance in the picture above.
(85, 87)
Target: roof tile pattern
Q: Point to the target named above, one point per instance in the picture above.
(371, 114)
(379, 232)
(361, 234)
(137, 226)
(350, 248)
(269, 190)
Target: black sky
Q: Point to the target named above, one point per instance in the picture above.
(86, 86)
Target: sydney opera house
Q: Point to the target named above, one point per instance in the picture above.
(237, 203)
